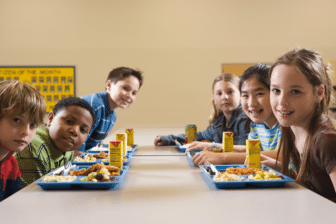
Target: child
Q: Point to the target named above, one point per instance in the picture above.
(22, 109)
(300, 95)
(67, 128)
(227, 115)
(122, 86)
(254, 88)
(255, 98)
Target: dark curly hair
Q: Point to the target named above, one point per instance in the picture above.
(74, 101)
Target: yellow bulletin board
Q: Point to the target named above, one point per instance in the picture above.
(237, 68)
(54, 82)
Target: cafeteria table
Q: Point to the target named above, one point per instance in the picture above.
(161, 187)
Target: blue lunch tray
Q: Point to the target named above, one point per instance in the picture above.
(246, 183)
(106, 150)
(82, 185)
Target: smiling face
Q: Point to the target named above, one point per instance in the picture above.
(69, 128)
(16, 132)
(293, 98)
(226, 96)
(255, 99)
(122, 93)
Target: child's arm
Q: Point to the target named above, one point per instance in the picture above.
(169, 139)
(239, 148)
(270, 162)
(225, 158)
(201, 145)
(219, 158)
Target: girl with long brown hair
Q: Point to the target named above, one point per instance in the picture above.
(300, 95)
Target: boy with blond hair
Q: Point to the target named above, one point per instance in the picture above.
(22, 109)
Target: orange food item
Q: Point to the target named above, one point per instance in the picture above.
(213, 150)
(101, 155)
(243, 171)
(113, 170)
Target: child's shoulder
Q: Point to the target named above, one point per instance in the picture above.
(325, 132)
(98, 101)
(32, 150)
(10, 165)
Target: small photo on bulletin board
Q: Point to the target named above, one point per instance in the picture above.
(54, 82)
(237, 68)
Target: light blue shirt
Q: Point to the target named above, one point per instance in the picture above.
(269, 138)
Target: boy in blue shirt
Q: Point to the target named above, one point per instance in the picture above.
(121, 88)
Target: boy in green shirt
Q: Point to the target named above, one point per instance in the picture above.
(68, 127)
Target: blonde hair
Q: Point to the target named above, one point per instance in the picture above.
(226, 77)
(310, 64)
(17, 97)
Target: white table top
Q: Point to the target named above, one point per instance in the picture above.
(165, 189)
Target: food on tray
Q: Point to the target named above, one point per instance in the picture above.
(265, 175)
(213, 150)
(86, 158)
(100, 176)
(227, 177)
(113, 170)
(243, 171)
(57, 178)
(101, 155)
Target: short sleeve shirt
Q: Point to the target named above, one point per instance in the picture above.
(322, 161)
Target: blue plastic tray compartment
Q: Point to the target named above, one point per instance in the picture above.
(246, 182)
(190, 154)
(77, 184)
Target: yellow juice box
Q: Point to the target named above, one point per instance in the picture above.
(123, 137)
(116, 154)
(253, 153)
(191, 133)
(227, 142)
(130, 136)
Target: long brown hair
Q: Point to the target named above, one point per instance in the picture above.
(226, 77)
(310, 64)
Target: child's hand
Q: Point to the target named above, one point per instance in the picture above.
(158, 141)
(270, 162)
(202, 157)
(199, 145)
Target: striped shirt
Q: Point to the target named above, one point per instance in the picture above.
(105, 119)
(269, 138)
(40, 157)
